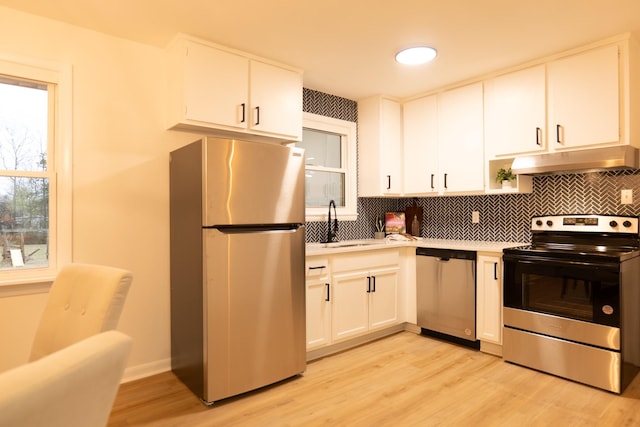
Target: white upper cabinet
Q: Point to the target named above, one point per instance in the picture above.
(571, 101)
(515, 112)
(460, 140)
(443, 143)
(221, 91)
(211, 75)
(584, 99)
(276, 100)
(420, 131)
(379, 147)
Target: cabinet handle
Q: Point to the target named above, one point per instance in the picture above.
(495, 271)
(558, 134)
(317, 267)
(374, 283)
(368, 284)
(538, 136)
(328, 298)
(432, 187)
(388, 182)
(257, 115)
(244, 107)
(445, 180)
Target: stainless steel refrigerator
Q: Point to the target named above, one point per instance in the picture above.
(237, 265)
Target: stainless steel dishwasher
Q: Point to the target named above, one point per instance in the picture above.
(446, 294)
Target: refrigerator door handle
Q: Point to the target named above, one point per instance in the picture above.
(260, 228)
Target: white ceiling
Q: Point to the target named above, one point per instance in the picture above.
(347, 47)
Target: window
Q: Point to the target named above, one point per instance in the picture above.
(330, 151)
(35, 208)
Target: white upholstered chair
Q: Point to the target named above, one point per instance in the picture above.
(75, 386)
(84, 300)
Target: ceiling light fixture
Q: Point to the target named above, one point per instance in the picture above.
(416, 55)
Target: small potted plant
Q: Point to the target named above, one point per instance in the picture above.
(505, 176)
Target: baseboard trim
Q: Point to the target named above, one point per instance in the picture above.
(357, 341)
(137, 372)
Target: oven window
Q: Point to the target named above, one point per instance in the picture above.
(584, 293)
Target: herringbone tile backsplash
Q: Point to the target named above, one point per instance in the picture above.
(502, 217)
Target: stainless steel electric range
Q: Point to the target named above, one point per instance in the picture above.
(572, 299)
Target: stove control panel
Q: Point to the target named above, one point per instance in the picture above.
(586, 223)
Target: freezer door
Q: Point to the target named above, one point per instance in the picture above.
(252, 183)
(254, 309)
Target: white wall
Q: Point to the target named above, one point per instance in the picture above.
(120, 178)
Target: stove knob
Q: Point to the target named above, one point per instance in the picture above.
(613, 224)
(626, 224)
(549, 223)
(539, 223)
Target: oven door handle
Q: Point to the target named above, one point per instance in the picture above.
(550, 261)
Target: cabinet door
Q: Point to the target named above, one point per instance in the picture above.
(383, 298)
(489, 299)
(460, 145)
(216, 86)
(379, 147)
(391, 147)
(514, 112)
(420, 133)
(318, 308)
(350, 308)
(584, 99)
(276, 100)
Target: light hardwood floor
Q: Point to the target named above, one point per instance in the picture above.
(401, 380)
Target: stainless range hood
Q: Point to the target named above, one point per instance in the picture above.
(589, 160)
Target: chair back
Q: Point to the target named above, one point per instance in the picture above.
(84, 300)
(73, 387)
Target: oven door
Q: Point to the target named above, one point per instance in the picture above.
(570, 289)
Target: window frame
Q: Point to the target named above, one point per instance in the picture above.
(348, 131)
(58, 78)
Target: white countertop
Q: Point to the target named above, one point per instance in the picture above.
(313, 249)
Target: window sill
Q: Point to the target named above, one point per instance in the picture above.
(17, 287)
(323, 217)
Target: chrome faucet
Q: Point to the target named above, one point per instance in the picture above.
(331, 234)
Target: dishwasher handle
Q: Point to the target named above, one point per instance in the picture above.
(447, 254)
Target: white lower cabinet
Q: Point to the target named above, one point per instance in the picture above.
(350, 305)
(318, 303)
(351, 294)
(364, 301)
(489, 299)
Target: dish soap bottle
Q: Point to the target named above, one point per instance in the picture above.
(415, 226)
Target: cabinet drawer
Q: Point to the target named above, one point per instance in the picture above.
(316, 267)
(365, 260)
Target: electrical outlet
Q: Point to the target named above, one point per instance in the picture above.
(475, 217)
(626, 197)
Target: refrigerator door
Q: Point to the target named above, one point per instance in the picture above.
(255, 309)
(252, 183)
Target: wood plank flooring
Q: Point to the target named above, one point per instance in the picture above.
(401, 380)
